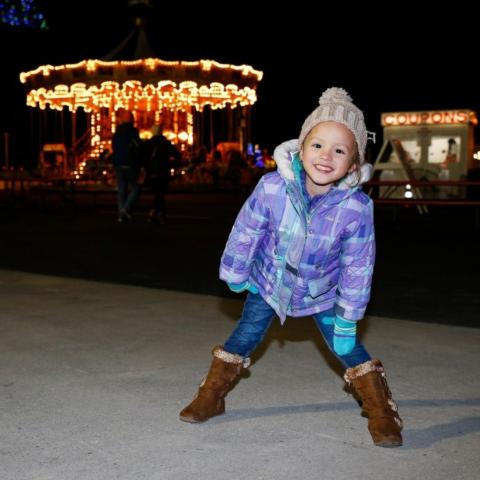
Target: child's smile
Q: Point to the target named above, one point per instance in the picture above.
(327, 155)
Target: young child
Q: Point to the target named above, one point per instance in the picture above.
(303, 244)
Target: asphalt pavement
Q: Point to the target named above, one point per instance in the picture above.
(93, 376)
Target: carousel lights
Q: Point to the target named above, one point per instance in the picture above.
(206, 65)
(169, 135)
(133, 94)
(148, 63)
(91, 65)
(182, 136)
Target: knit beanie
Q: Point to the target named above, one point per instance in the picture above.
(336, 105)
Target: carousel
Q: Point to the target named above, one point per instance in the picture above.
(181, 96)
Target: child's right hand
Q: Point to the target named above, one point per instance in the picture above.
(241, 287)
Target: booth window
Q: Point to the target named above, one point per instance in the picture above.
(444, 150)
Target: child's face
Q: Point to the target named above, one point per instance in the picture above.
(327, 154)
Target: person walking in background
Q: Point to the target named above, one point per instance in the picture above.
(160, 154)
(236, 164)
(216, 168)
(303, 244)
(127, 159)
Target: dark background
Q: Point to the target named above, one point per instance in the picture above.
(389, 56)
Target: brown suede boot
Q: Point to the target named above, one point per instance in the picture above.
(210, 399)
(370, 383)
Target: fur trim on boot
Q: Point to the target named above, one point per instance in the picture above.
(210, 398)
(371, 386)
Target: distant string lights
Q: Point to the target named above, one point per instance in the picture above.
(21, 13)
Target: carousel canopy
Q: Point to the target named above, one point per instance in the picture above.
(141, 85)
(131, 77)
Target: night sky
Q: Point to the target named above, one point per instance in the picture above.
(404, 61)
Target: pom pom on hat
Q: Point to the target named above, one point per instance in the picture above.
(334, 94)
(335, 104)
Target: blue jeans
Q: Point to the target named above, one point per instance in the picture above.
(257, 317)
(126, 177)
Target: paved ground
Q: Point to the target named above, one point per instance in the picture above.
(93, 375)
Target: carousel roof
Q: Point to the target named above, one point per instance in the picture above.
(142, 83)
(135, 46)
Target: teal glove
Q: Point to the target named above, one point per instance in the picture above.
(344, 335)
(241, 287)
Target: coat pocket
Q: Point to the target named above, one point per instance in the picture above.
(320, 286)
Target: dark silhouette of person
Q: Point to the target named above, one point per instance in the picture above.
(160, 155)
(235, 166)
(215, 168)
(126, 153)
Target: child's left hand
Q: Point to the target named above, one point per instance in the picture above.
(344, 336)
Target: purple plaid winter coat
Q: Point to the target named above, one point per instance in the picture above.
(302, 259)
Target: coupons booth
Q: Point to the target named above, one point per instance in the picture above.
(429, 145)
